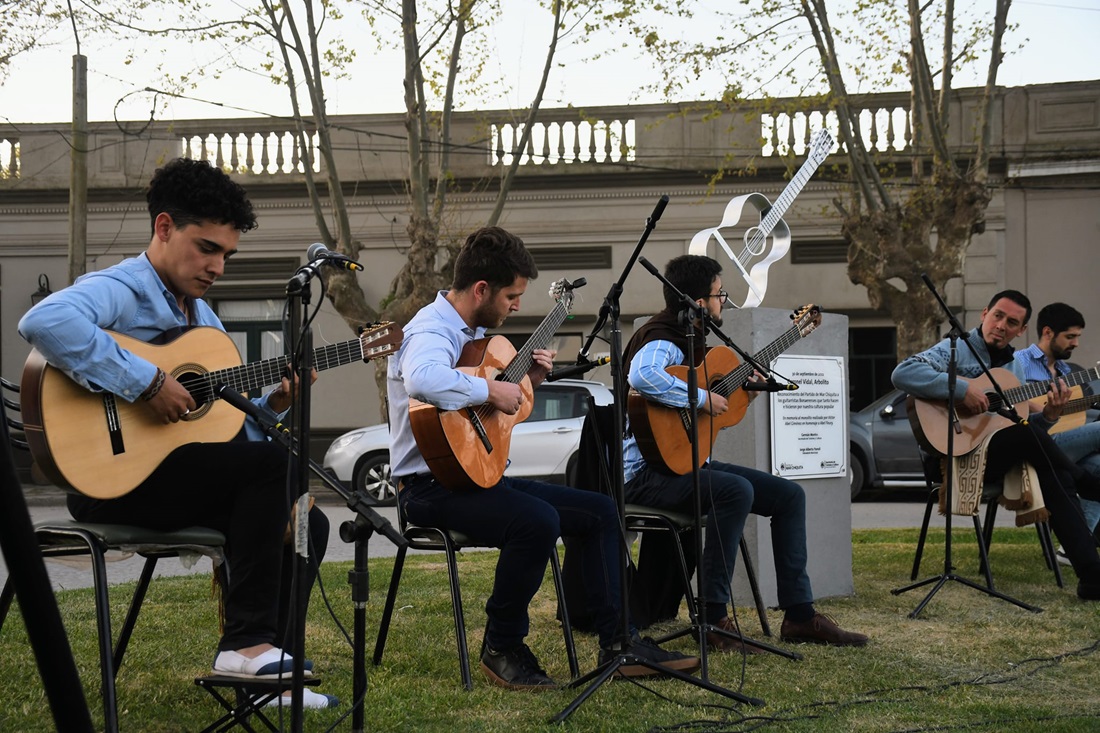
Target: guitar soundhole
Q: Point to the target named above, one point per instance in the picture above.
(755, 241)
(193, 378)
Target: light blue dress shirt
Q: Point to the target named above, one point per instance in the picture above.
(424, 368)
(648, 376)
(127, 298)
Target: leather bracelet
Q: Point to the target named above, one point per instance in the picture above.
(158, 382)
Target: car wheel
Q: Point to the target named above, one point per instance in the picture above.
(855, 474)
(372, 478)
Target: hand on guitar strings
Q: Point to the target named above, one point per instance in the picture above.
(505, 396)
(715, 404)
(282, 397)
(1057, 397)
(542, 363)
(172, 402)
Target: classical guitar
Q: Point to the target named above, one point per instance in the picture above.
(929, 418)
(1073, 414)
(104, 446)
(664, 433)
(755, 256)
(468, 448)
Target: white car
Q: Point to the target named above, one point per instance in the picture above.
(543, 446)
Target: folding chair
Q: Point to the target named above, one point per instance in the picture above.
(451, 543)
(61, 538)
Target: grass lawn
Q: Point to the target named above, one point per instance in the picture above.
(970, 662)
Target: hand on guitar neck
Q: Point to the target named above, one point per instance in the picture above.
(1057, 397)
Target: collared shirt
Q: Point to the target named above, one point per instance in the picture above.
(648, 375)
(424, 368)
(1033, 362)
(129, 298)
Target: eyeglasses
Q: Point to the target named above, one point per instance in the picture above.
(722, 295)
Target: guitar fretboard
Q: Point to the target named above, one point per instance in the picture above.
(540, 339)
(1033, 390)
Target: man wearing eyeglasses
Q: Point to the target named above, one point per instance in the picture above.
(729, 492)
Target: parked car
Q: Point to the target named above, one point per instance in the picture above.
(882, 450)
(544, 446)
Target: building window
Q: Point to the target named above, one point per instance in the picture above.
(819, 252)
(256, 327)
(872, 357)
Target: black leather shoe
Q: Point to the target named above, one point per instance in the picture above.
(646, 649)
(515, 668)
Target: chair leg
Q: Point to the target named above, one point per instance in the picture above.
(566, 628)
(387, 610)
(1047, 543)
(135, 609)
(103, 623)
(460, 620)
(6, 597)
(983, 549)
(923, 533)
(750, 572)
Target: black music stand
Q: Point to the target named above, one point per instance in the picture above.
(609, 314)
(957, 332)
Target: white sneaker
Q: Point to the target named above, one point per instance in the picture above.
(1061, 556)
(310, 700)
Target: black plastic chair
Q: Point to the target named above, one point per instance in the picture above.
(62, 538)
(451, 543)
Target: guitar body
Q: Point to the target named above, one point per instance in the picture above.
(103, 446)
(767, 246)
(929, 418)
(1073, 416)
(663, 433)
(468, 448)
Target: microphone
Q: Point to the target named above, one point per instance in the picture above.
(248, 407)
(769, 386)
(649, 266)
(569, 371)
(658, 209)
(318, 251)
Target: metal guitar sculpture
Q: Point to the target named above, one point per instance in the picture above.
(756, 256)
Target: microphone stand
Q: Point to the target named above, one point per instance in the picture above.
(957, 332)
(359, 530)
(609, 313)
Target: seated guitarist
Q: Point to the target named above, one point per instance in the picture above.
(523, 518)
(924, 375)
(1060, 326)
(238, 488)
(729, 492)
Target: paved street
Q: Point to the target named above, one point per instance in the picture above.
(74, 573)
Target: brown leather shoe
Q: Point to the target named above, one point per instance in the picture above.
(722, 643)
(820, 630)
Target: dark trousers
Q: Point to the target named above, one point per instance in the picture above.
(524, 519)
(1011, 445)
(237, 488)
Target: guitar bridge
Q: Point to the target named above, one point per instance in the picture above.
(479, 428)
(114, 425)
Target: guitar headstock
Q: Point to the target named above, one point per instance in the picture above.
(807, 318)
(562, 291)
(380, 339)
(820, 146)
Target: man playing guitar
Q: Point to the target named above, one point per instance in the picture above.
(924, 376)
(1060, 326)
(729, 492)
(238, 488)
(523, 518)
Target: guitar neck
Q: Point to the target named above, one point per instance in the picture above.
(784, 200)
(1034, 390)
(259, 374)
(733, 381)
(540, 339)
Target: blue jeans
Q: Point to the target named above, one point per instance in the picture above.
(729, 494)
(1082, 446)
(524, 519)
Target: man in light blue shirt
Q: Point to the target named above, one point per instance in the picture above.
(238, 488)
(523, 518)
(1059, 327)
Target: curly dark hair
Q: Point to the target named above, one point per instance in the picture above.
(495, 256)
(193, 191)
(691, 274)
